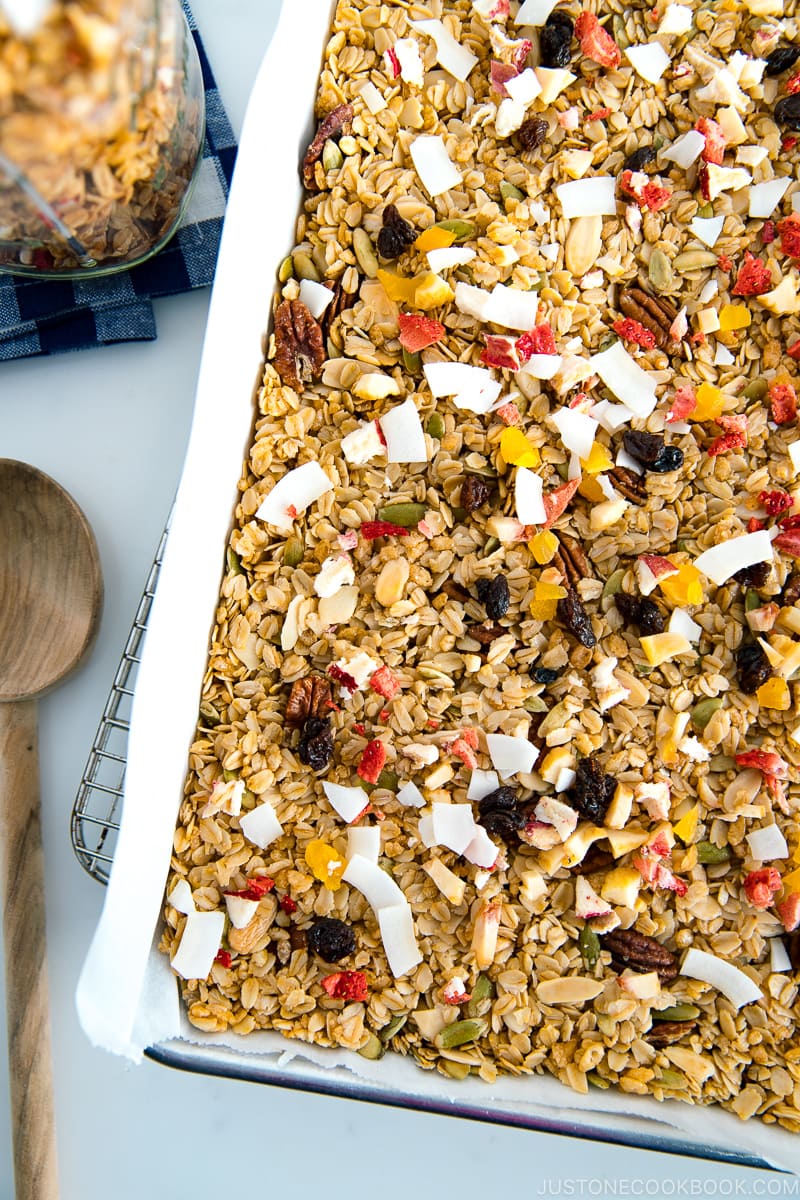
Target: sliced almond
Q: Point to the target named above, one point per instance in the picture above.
(571, 989)
(583, 245)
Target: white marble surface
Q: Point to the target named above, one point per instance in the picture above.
(111, 426)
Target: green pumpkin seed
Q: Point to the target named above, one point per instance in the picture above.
(394, 1026)
(492, 544)
(462, 229)
(589, 944)
(408, 515)
(365, 255)
(710, 855)
(608, 341)
(613, 584)
(677, 1012)
(456, 1070)
(563, 470)
(659, 271)
(535, 704)
(694, 260)
(459, 1033)
(756, 390)
(293, 552)
(597, 1080)
(704, 711)
(752, 601)
(304, 266)
(332, 157)
(373, 1048)
(674, 1080)
(388, 780)
(412, 362)
(509, 192)
(482, 992)
(209, 714)
(435, 426)
(229, 776)
(286, 270)
(705, 211)
(719, 763)
(248, 800)
(234, 563)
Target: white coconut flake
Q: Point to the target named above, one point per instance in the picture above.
(405, 437)
(710, 289)
(453, 826)
(592, 197)
(377, 888)
(542, 366)
(335, 573)
(372, 98)
(200, 941)
(630, 463)
(410, 796)
(767, 844)
(261, 825)
(764, 198)
(707, 229)
(685, 150)
(452, 379)
(720, 562)
(512, 308)
(509, 117)
(534, 12)
(625, 378)
(348, 802)
(528, 497)
(362, 444)
(677, 19)
(432, 162)
(181, 897)
(482, 851)
(450, 54)
(751, 156)
(472, 301)
(524, 88)
(511, 755)
(364, 840)
(779, 960)
(794, 455)
(722, 358)
(680, 622)
(611, 417)
(315, 296)
(240, 910)
(733, 983)
(399, 938)
(482, 783)
(577, 430)
(449, 256)
(292, 495)
(650, 60)
(412, 69)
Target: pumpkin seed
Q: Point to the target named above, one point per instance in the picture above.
(293, 552)
(677, 1012)
(619, 31)
(304, 266)
(209, 713)
(234, 562)
(705, 211)
(492, 544)
(229, 776)
(365, 255)
(459, 1033)
(286, 270)
(710, 855)
(597, 1080)
(720, 763)
(607, 341)
(704, 711)
(373, 1047)
(482, 990)
(509, 192)
(613, 584)
(535, 704)
(456, 1070)
(332, 157)
(462, 229)
(752, 601)
(435, 426)
(583, 245)
(388, 780)
(412, 362)
(694, 260)
(659, 271)
(674, 1080)
(408, 515)
(394, 1026)
(756, 390)
(589, 944)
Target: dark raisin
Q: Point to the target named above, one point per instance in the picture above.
(592, 791)
(670, 459)
(396, 235)
(753, 577)
(316, 743)
(781, 59)
(555, 40)
(544, 675)
(571, 613)
(791, 589)
(640, 611)
(505, 825)
(787, 111)
(475, 491)
(794, 951)
(534, 737)
(753, 667)
(494, 595)
(644, 447)
(640, 159)
(390, 243)
(502, 799)
(532, 132)
(331, 939)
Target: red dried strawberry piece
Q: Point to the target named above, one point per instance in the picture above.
(509, 413)
(288, 904)
(754, 525)
(789, 522)
(342, 677)
(596, 44)
(346, 985)
(760, 886)
(775, 502)
(375, 529)
(789, 142)
(632, 331)
(725, 262)
(224, 958)
(599, 114)
(257, 888)
(654, 197)
(735, 436)
(783, 403)
(500, 352)
(789, 229)
(789, 542)
(555, 502)
(540, 340)
(793, 84)
(385, 683)
(754, 277)
(703, 181)
(789, 911)
(714, 149)
(766, 761)
(418, 332)
(461, 749)
(684, 402)
(373, 760)
(499, 74)
(768, 233)
(794, 350)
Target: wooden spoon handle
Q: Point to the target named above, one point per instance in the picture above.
(22, 884)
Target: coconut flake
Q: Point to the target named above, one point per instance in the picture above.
(726, 179)
(625, 378)
(779, 960)
(200, 942)
(707, 229)
(650, 60)
(364, 840)
(524, 88)
(577, 430)
(410, 796)
(362, 444)
(751, 156)
(686, 149)
(396, 923)
(261, 825)
(432, 162)
(511, 755)
(733, 983)
(680, 622)
(405, 438)
(335, 573)
(472, 388)
(240, 910)
(450, 54)
(767, 843)
(372, 98)
(481, 851)
(764, 198)
(472, 301)
(181, 898)
(349, 802)
(509, 117)
(630, 463)
(720, 562)
(677, 19)
(482, 783)
(611, 417)
(534, 12)
(449, 256)
(377, 888)
(794, 455)
(542, 366)
(512, 308)
(592, 197)
(315, 296)
(722, 358)
(709, 289)
(528, 497)
(292, 494)
(409, 58)
(453, 826)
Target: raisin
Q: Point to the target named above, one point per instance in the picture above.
(544, 675)
(396, 235)
(475, 491)
(670, 459)
(753, 667)
(794, 951)
(640, 611)
(592, 791)
(791, 589)
(532, 132)
(555, 40)
(644, 447)
(494, 595)
(640, 159)
(571, 613)
(316, 743)
(753, 577)
(331, 939)
(390, 243)
(505, 825)
(502, 799)
(787, 111)
(781, 58)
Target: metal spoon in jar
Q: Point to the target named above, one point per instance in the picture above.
(51, 593)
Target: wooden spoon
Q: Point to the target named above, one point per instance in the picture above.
(51, 593)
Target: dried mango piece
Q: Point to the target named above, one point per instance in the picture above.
(590, 489)
(431, 291)
(517, 450)
(710, 403)
(325, 863)
(686, 827)
(544, 546)
(775, 694)
(684, 588)
(599, 460)
(434, 238)
(734, 316)
(545, 600)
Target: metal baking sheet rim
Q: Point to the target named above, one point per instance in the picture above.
(303, 1075)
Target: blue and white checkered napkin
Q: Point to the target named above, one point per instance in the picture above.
(40, 316)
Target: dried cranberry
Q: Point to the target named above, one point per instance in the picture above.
(494, 595)
(753, 577)
(640, 611)
(475, 491)
(753, 667)
(532, 132)
(570, 612)
(592, 791)
(781, 59)
(640, 159)
(555, 40)
(316, 743)
(331, 939)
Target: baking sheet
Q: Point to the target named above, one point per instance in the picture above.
(127, 996)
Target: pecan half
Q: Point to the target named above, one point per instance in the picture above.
(664, 1033)
(595, 859)
(641, 953)
(337, 121)
(653, 312)
(455, 591)
(341, 301)
(309, 697)
(486, 633)
(629, 484)
(299, 348)
(571, 560)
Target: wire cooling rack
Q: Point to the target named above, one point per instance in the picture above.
(97, 809)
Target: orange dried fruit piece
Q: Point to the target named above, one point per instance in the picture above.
(434, 238)
(734, 316)
(686, 827)
(710, 403)
(543, 546)
(684, 588)
(661, 647)
(545, 600)
(325, 863)
(775, 694)
(517, 450)
(424, 291)
(599, 460)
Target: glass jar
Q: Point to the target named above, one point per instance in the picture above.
(101, 126)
